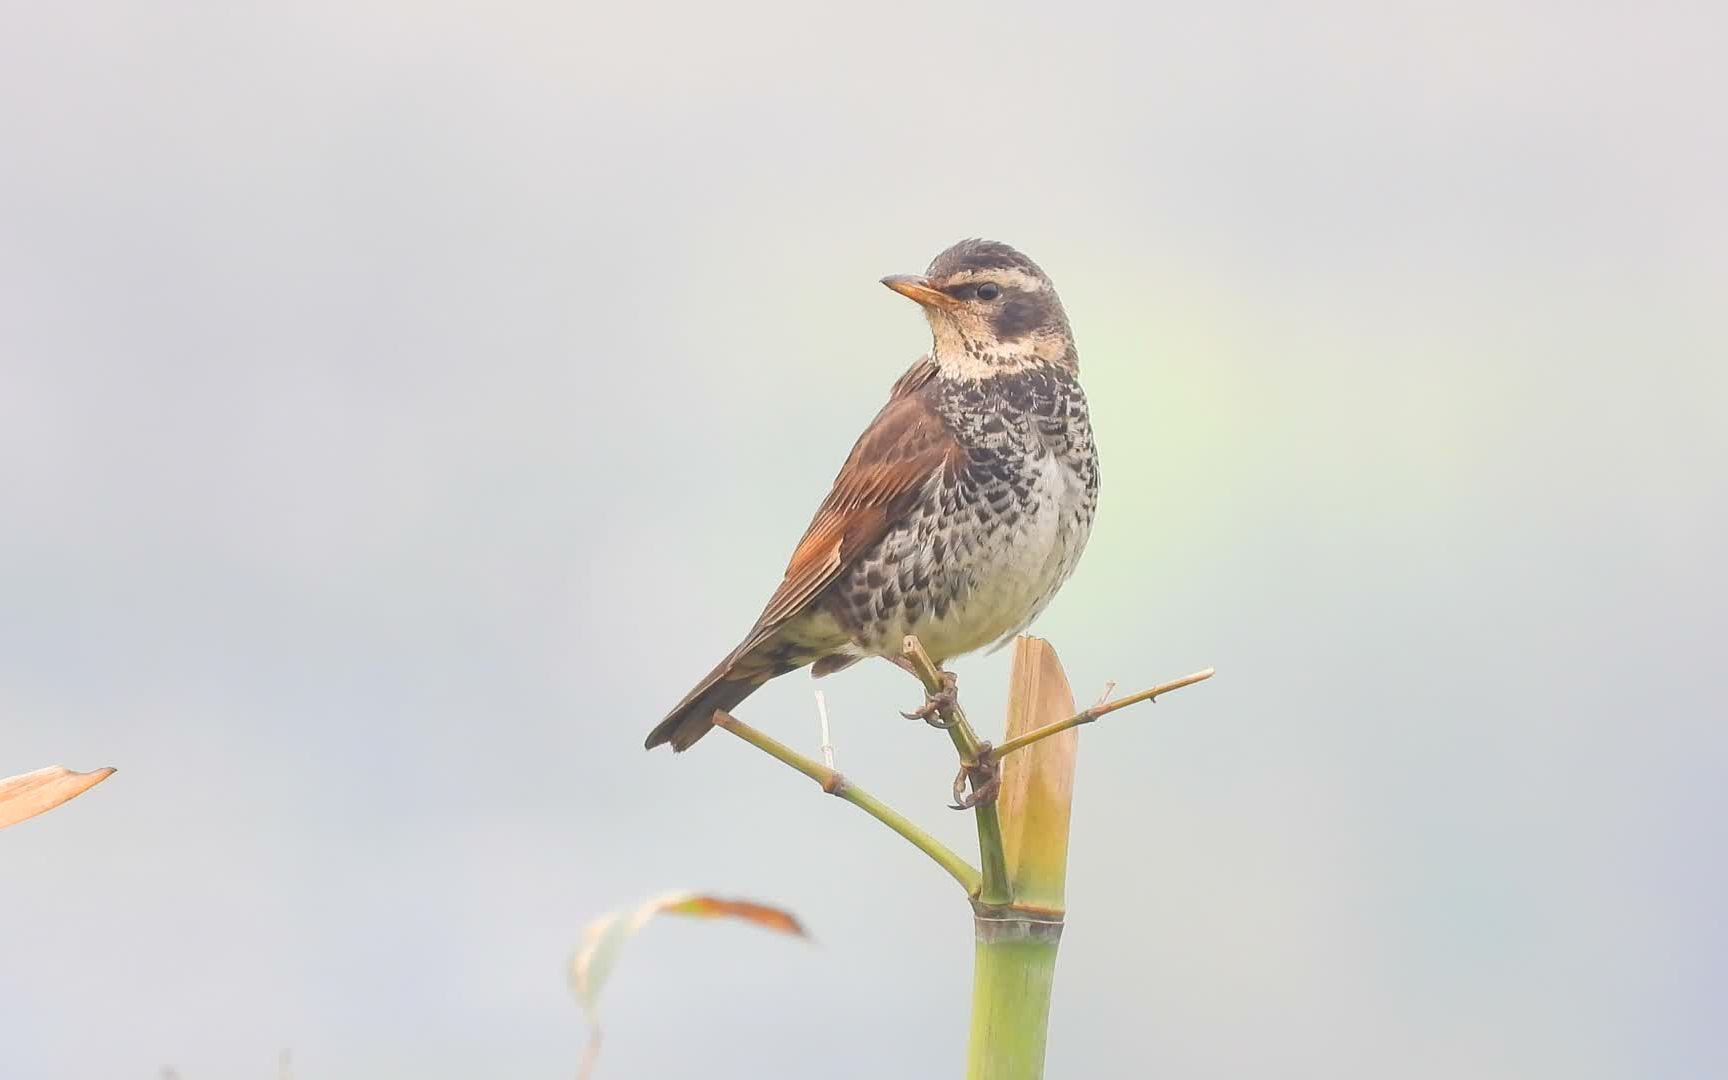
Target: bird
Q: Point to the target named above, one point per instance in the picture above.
(960, 511)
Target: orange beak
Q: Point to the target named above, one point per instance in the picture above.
(917, 287)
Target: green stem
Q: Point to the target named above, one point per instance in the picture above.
(1014, 969)
(995, 889)
(836, 784)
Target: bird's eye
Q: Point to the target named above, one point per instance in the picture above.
(989, 291)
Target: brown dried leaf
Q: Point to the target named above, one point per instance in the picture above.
(602, 938)
(28, 794)
(713, 907)
(1038, 782)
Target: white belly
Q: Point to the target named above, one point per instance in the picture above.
(1014, 569)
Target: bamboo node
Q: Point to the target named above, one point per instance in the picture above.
(1016, 925)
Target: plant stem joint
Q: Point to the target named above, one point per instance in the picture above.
(997, 925)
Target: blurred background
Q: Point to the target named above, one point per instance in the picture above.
(401, 405)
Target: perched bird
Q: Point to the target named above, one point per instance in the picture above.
(962, 508)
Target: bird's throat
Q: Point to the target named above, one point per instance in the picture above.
(959, 356)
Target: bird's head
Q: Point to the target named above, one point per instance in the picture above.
(991, 311)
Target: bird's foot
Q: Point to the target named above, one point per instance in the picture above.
(936, 708)
(985, 777)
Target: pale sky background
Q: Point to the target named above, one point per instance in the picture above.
(401, 405)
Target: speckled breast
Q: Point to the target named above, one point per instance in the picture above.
(988, 546)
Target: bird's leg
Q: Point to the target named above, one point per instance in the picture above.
(936, 706)
(940, 710)
(985, 777)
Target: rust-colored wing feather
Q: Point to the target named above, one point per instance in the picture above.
(898, 454)
(901, 451)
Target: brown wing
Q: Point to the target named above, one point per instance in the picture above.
(898, 454)
(921, 372)
(902, 449)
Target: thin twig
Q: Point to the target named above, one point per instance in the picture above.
(835, 784)
(1087, 716)
(974, 758)
(827, 744)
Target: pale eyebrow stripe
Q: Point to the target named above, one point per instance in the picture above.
(1017, 279)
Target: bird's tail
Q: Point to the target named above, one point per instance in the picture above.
(694, 717)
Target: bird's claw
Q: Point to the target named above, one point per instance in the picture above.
(937, 707)
(986, 780)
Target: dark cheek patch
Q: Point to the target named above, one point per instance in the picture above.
(1018, 317)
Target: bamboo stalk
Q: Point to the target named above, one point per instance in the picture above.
(1011, 986)
(1014, 961)
(1018, 892)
